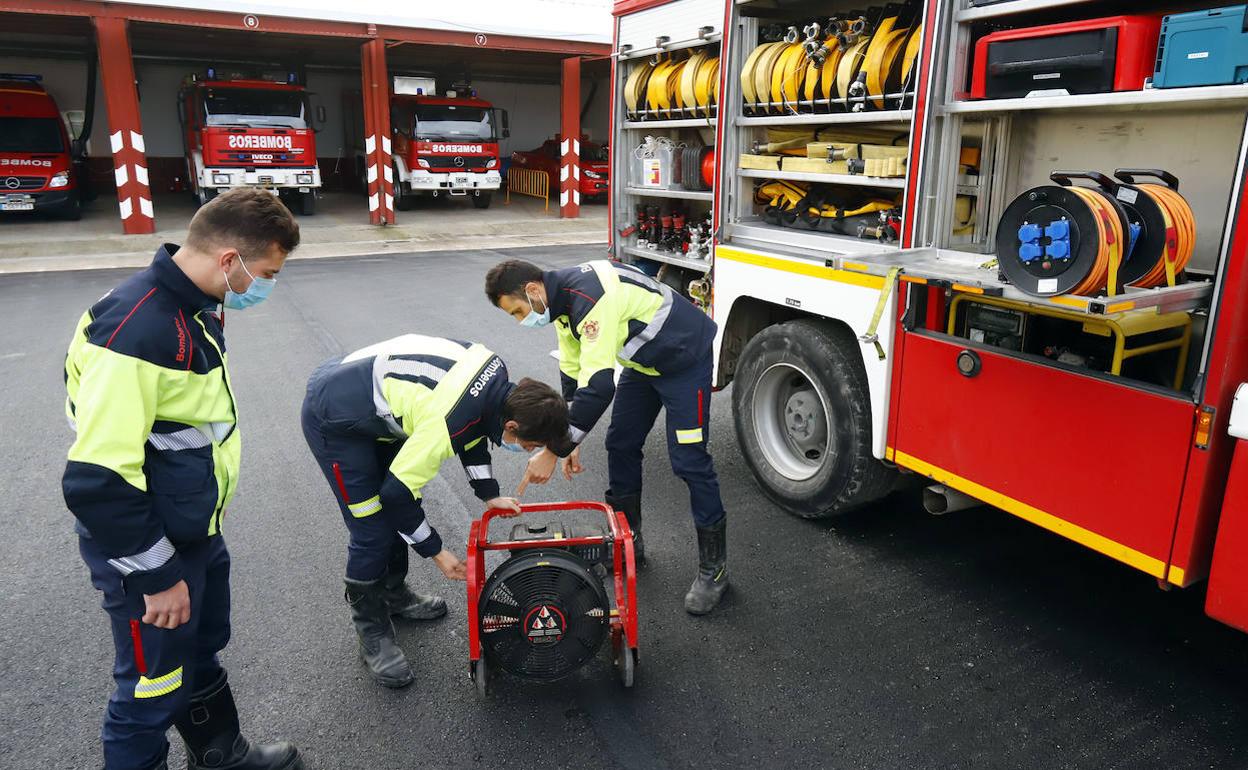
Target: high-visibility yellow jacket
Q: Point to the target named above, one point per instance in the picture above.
(156, 457)
(441, 398)
(607, 311)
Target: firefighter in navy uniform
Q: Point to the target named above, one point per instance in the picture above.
(380, 422)
(151, 473)
(606, 312)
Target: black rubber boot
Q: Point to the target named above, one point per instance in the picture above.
(378, 649)
(209, 727)
(712, 579)
(630, 506)
(401, 601)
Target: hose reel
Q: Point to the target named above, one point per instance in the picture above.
(1069, 239)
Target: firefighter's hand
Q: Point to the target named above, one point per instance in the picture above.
(170, 608)
(451, 566)
(572, 464)
(541, 468)
(507, 506)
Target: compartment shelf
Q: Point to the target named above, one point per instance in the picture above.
(659, 192)
(679, 45)
(1151, 98)
(997, 10)
(700, 265)
(670, 123)
(856, 180)
(831, 118)
(763, 235)
(977, 274)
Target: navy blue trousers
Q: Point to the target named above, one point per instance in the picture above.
(341, 429)
(686, 397)
(156, 676)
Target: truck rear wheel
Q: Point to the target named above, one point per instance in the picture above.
(481, 201)
(802, 410)
(307, 203)
(206, 194)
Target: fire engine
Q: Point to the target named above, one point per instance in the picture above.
(40, 170)
(444, 144)
(240, 129)
(992, 243)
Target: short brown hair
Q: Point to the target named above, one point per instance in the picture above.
(248, 219)
(509, 278)
(540, 413)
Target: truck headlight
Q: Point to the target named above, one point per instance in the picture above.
(422, 163)
(592, 174)
(59, 179)
(221, 179)
(303, 178)
(492, 163)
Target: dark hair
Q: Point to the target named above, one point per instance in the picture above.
(509, 278)
(540, 413)
(245, 218)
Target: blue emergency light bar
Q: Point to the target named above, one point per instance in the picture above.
(27, 78)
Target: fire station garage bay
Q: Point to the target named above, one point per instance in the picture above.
(429, 125)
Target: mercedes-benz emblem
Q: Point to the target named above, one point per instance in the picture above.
(12, 183)
(459, 160)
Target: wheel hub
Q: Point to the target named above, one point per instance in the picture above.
(792, 421)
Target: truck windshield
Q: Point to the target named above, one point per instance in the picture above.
(254, 107)
(30, 135)
(451, 121)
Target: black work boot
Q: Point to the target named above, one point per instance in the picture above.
(630, 506)
(378, 649)
(405, 603)
(712, 579)
(401, 601)
(209, 727)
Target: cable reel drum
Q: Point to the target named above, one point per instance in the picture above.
(1069, 239)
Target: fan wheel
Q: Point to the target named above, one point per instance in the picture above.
(543, 615)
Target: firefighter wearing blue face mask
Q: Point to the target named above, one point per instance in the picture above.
(606, 313)
(380, 422)
(151, 472)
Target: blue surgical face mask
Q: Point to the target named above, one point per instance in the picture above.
(535, 319)
(512, 447)
(256, 293)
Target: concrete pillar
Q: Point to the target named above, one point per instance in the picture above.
(134, 196)
(378, 171)
(570, 145)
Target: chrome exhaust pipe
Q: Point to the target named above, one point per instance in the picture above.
(939, 499)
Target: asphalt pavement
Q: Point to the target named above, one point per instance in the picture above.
(885, 638)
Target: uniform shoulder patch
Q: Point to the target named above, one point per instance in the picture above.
(589, 330)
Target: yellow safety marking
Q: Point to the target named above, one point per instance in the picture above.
(1175, 576)
(888, 453)
(801, 268)
(1074, 302)
(858, 266)
(161, 685)
(365, 508)
(691, 436)
(913, 279)
(1118, 307)
(1099, 543)
(969, 289)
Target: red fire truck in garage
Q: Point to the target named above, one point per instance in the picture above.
(243, 130)
(444, 145)
(954, 242)
(37, 161)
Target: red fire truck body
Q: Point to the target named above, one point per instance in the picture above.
(249, 132)
(36, 163)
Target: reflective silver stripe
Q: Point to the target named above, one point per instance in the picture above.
(479, 472)
(187, 438)
(153, 558)
(576, 434)
(652, 329)
(366, 507)
(421, 534)
(217, 430)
